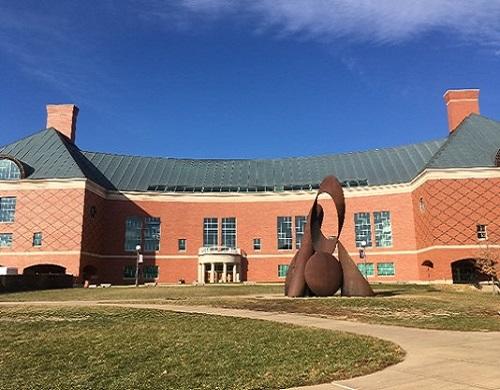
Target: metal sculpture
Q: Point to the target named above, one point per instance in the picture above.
(314, 270)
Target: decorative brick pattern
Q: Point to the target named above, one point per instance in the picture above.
(58, 214)
(453, 208)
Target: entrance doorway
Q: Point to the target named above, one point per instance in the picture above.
(464, 271)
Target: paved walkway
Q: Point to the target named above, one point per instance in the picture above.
(435, 359)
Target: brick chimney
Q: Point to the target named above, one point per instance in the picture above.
(62, 117)
(460, 104)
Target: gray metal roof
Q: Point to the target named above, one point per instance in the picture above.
(46, 155)
(51, 155)
(384, 166)
(474, 144)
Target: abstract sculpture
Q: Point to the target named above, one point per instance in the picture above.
(314, 271)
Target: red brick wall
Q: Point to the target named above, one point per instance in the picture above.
(254, 220)
(72, 220)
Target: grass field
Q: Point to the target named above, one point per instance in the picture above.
(423, 306)
(432, 307)
(142, 293)
(116, 348)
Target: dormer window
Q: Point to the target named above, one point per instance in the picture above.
(10, 170)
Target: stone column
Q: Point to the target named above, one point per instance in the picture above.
(234, 273)
(224, 272)
(201, 273)
(212, 272)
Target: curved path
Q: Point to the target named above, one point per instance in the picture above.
(435, 359)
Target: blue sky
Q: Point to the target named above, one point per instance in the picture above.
(245, 79)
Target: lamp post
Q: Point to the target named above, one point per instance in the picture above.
(138, 260)
(362, 254)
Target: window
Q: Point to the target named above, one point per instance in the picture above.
(5, 240)
(133, 233)
(300, 224)
(150, 272)
(9, 170)
(282, 270)
(37, 239)
(229, 232)
(151, 234)
(256, 244)
(367, 269)
(129, 271)
(481, 232)
(385, 269)
(210, 232)
(362, 229)
(7, 209)
(284, 232)
(383, 229)
(181, 244)
(144, 232)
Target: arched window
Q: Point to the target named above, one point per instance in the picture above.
(9, 170)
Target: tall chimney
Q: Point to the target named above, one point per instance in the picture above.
(62, 117)
(460, 104)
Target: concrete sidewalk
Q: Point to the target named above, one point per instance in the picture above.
(435, 359)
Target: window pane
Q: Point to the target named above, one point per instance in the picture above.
(5, 240)
(256, 244)
(37, 239)
(150, 272)
(9, 170)
(481, 232)
(385, 269)
(284, 232)
(229, 232)
(182, 244)
(282, 270)
(151, 234)
(7, 209)
(300, 224)
(362, 229)
(383, 229)
(367, 269)
(133, 227)
(210, 232)
(129, 271)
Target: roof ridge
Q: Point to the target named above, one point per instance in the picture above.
(449, 139)
(454, 134)
(67, 145)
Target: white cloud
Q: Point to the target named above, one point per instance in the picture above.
(380, 21)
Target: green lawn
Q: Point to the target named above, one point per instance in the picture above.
(116, 348)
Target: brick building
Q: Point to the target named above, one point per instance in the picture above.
(423, 211)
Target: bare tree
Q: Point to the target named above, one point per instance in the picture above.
(486, 263)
